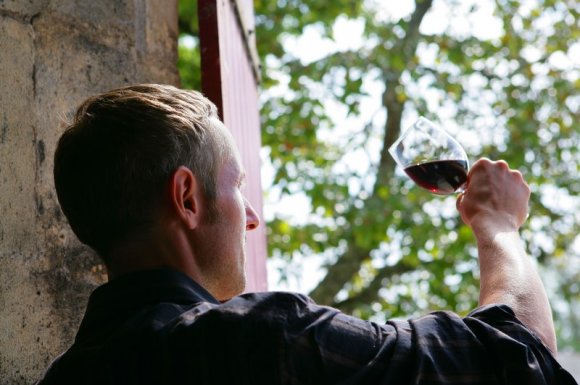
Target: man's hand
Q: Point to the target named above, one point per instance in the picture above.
(496, 198)
(495, 205)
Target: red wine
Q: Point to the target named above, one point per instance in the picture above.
(439, 176)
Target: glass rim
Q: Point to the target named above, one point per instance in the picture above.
(392, 148)
(403, 135)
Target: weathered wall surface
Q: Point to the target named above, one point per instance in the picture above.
(53, 54)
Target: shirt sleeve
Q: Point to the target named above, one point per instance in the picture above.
(320, 345)
(284, 338)
(517, 353)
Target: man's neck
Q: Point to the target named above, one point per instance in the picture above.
(157, 247)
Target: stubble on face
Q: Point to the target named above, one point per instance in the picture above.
(221, 238)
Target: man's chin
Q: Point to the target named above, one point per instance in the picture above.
(243, 283)
(240, 286)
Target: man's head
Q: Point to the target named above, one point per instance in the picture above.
(114, 160)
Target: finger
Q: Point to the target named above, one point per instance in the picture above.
(517, 174)
(459, 201)
(503, 164)
(480, 163)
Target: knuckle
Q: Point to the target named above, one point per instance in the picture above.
(503, 164)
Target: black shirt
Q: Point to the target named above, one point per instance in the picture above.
(160, 327)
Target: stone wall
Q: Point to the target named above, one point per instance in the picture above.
(53, 54)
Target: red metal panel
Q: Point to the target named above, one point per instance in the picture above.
(211, 83)
(238, 102)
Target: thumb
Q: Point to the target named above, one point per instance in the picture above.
(459, 201)
(459, 206)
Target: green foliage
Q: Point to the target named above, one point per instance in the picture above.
(189, 60)
(189, 66)
(391, 249)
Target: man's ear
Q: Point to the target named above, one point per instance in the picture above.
(186, 196)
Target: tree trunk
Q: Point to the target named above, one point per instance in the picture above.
(348, 264)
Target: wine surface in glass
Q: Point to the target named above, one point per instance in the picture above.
(439, 176)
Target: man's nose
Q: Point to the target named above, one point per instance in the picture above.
(252, 218)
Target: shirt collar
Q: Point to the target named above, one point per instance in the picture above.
(154, 285)
(123, 296)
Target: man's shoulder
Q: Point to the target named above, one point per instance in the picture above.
(265, 307)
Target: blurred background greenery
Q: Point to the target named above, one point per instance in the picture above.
(339, 80)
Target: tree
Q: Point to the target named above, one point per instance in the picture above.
(391, 249)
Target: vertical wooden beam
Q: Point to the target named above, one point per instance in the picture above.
(230, 79)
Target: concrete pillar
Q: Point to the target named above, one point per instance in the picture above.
(53, 54)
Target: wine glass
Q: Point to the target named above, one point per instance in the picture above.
(431, 157)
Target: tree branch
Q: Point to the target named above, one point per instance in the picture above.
(370, 293)
(349, 263)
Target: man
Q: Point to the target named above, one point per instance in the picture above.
(150, 178)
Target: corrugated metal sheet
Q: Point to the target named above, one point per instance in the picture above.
(240, 113)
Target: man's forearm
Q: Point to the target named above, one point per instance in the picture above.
(508, 276)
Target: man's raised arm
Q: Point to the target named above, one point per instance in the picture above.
(495, 205)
